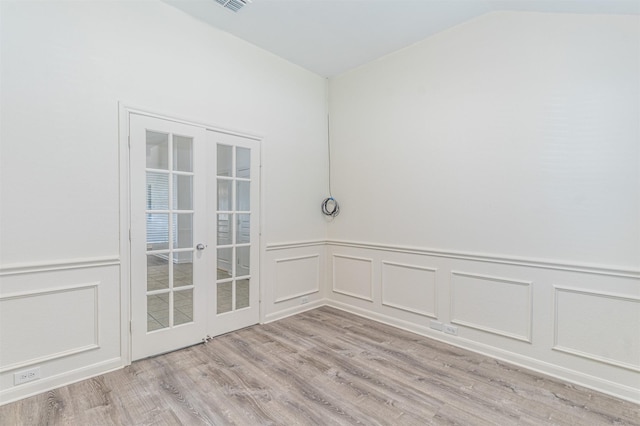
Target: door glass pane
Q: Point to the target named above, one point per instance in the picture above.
(224, 295)
(182, 269)
(182, 192)
(182, 153)
(243, 228)
(242, 294)
(157, 272)
(182, 307)
(157, 231)
(183, 230)
(224, 195)
(157, 191)
(224, 229)
(157, 311)
(157, 150)
(242, 261)
(224, 263)
(242, 194)
(243, 162)
(225, 160)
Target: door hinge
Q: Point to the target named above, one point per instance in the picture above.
(131, 327)
(129, 141)
(129, 235)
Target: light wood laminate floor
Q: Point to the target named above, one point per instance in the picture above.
(322, 367)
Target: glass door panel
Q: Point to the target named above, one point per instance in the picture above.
(182, 153)
(157, 147)
(233, 217)
(167, 269)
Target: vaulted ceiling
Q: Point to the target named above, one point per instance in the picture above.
(329, 37)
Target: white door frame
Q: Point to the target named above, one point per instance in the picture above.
(124, 112)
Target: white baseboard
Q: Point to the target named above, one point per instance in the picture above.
(571, 376)
(63, 379)
(293, 311)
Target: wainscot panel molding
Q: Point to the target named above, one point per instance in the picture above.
(297, 276)
(501, 306)
(295, 244)
(62, 318)
(48, 313)
(292, 280)
(410, 288)
(353, 276)
(63, 265)
(586, 332)
(600, 326)
(500, 259)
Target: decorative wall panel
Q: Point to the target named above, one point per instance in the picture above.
(297, 276)
(599, 326)
(44, 325)
(352, 276)
(500, 306)
(409, 288)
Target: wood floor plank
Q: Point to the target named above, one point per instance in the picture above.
(321, 367)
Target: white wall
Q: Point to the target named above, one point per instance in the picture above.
(513, 134)
(489, 178)
(65, 66)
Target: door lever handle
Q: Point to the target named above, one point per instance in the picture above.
(200, 246)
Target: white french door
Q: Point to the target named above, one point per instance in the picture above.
(194, 234)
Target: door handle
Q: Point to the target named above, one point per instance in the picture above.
(200, 247)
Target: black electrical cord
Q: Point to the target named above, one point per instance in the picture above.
(330, 206)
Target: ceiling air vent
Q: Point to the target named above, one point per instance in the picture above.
(234, 5)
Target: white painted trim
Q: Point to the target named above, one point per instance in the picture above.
(592, 357)
(526, 338)
(492, 331)
(177, 119)
(63, 379)
(346, 293)
(60, 289)
(275, 316)
(607, 270)
(125, 233)
(357, 296)
(434, 314)
(295, 244)
(306, 293)
(501, 259)
(42, 359)
(262, 241)
(295, 296)
(62, 265)
(68, 352)
(411, 310)
(581, 354)
(601, 385)
(289, 259)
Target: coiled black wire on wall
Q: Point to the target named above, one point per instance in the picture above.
(330, 206)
